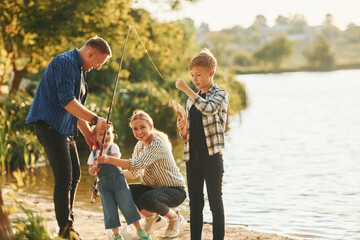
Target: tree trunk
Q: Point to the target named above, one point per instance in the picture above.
(5, 227)
(18, 76)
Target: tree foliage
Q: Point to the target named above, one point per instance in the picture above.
(34, 31)
(319, 55)
(275, 51)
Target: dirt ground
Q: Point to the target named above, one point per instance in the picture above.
(90, 225)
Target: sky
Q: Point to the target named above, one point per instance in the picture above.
(220, 14)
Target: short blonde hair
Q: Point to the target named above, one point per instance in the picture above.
(205, 59)
(100, 44)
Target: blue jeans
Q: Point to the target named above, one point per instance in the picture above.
(64, 161)
(115, 193)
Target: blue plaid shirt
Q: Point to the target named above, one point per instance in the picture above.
(62, 82)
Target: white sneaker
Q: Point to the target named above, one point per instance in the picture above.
(154, 223)
(149, 223)
(160, 223)
(174, 226)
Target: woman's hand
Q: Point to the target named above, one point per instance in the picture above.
(102, 159)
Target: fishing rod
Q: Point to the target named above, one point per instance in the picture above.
(95, 190)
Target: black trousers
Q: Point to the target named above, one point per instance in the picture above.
(158, 200)
(64, 161)
(209, 169)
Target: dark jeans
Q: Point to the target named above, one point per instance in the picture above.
(64, 161)
(157, 200)
(202, 167)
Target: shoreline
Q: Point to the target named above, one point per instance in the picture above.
(90, 225)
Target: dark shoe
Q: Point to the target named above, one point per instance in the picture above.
(70, 234)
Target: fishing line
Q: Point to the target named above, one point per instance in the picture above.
(146, 51)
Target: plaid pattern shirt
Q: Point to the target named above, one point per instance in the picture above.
(214, 110)
(62, 82)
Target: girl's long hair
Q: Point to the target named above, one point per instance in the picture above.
(140, 114)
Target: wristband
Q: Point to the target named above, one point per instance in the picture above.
(94, 120)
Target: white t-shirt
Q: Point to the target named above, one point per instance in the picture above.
(114, 149)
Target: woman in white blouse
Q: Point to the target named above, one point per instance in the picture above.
(162, 185)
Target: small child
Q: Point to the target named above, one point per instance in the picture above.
(114, 190)
(203, 135)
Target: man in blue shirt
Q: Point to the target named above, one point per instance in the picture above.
(57, 112)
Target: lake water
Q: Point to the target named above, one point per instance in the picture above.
(291, 158)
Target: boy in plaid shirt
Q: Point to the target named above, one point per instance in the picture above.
(203, 142)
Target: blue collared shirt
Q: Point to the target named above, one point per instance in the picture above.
(62, 82)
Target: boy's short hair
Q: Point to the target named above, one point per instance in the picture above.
(205, 59)
(100, 44)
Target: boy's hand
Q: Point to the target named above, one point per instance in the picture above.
(181, 84)
(102, 159)
(180, 123)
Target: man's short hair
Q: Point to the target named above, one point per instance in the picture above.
(100, 44)
(205, 59)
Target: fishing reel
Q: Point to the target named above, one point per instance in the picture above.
(94, 192)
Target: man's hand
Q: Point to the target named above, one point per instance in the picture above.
(92, 142)
(102, 125)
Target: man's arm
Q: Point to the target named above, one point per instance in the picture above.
(89, 137)
(78, 110)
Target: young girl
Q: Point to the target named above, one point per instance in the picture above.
(162, 185)
(113, 188)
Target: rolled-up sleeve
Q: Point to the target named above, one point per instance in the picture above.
(152, 153)
(65, 81)
(213, 105)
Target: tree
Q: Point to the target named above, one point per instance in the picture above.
(275, 51)
(5, 227)
(352, 33)
(329, 19)
(297, 23)
(319, 55)
(260, 21)
(281, 20)
(242, 58)
(33, 31)
(329, 30)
